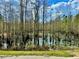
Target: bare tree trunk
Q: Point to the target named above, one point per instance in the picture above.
(21, 21)
(44, 19)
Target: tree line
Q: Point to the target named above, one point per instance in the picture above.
(20, 28)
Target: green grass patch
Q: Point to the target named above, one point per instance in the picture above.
(37, 53)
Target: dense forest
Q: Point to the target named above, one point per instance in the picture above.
(22, 28)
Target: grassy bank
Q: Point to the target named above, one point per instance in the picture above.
(37, 53)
